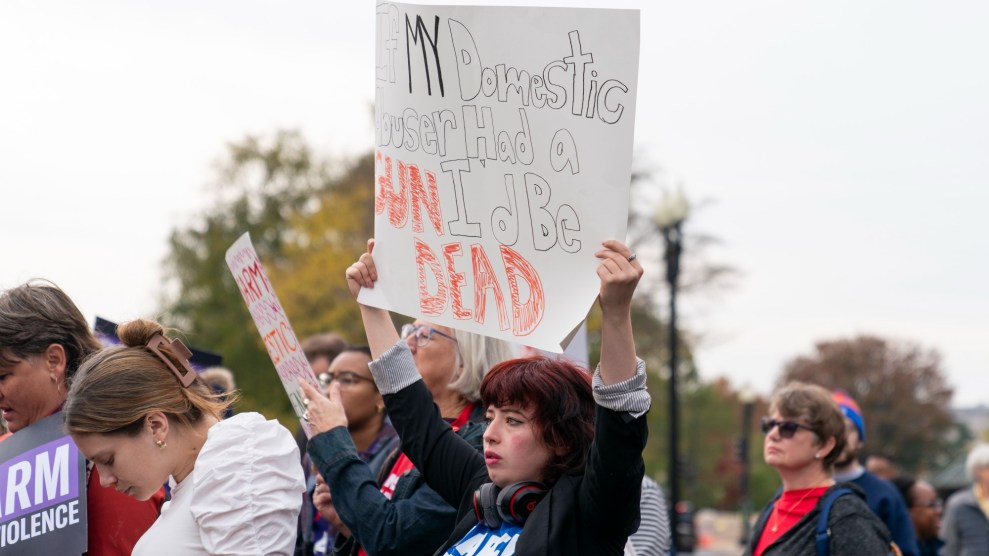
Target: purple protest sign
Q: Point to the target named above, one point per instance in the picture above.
(39, 478)
(42, 492)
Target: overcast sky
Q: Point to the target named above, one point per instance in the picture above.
(842, 149)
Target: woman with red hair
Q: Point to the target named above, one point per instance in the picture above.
(562, 464)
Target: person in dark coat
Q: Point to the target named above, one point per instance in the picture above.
(925, 510)
(385, 507)
(880, 494)
(562, 465)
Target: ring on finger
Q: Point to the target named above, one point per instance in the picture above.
(632, 257)
(305, 415)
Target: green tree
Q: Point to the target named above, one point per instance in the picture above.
(262, 185)
(322, 244)
(901, 389)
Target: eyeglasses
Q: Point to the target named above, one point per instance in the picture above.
(933, 504)
(345, 378)
(787, 428)
(423, 334)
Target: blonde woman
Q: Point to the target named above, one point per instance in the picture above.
(144, 416)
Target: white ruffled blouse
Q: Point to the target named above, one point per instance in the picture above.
(242, 497)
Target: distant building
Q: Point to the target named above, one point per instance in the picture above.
(975, 418)
(952, 477)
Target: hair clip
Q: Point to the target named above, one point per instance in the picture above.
(180, 352)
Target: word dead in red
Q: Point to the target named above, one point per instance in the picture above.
(448, 283)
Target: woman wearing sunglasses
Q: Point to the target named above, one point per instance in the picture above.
(804, 435)
(387, 509)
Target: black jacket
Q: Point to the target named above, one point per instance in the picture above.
(413, 522)
(588, 514)
(855, 530)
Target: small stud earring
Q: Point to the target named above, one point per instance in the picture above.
(161, 444)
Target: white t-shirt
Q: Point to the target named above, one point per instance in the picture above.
(242, 497)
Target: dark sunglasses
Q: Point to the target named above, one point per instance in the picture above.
(787, 428)
(345, 378)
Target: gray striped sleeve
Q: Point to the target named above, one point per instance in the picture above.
(629, 396)
(653, 536)
(395, 369)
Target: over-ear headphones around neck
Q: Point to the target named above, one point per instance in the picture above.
(512, 504)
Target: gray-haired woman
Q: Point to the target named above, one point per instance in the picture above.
(965, 528)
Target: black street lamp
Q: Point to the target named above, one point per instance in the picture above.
(747, 397)
(670, 215)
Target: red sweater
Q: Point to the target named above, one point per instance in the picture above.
(116, 520)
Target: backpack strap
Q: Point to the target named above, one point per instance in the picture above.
(823, 533)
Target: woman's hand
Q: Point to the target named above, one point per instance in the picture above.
(618, 275)
(323, 414)
(323, 500)
(378, 327)
(363, 273)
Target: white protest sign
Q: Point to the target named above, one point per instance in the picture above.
(503, 160)
(276, 332)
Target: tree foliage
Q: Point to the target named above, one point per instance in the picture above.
(270, 186)
(901, 389)
(319, 248)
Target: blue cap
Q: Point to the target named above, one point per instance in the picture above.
(851, 410)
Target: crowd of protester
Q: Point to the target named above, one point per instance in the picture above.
(432, 440)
